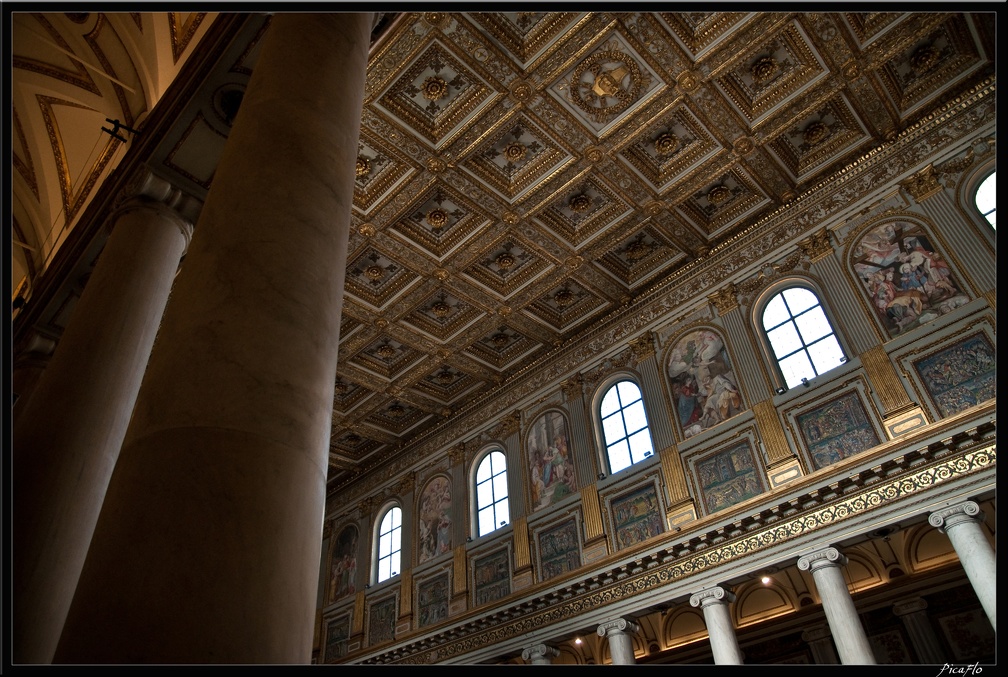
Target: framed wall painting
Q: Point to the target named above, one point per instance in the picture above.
(492, 576)
(961, 375)
(432, 599)
(636, 516)
(836, 429)
(559, 549)
(381, 620)
(337, 633)
(728, 476)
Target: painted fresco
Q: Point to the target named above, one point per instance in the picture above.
(559, 550)
(637, 517)
(729, 477)
(381, 622)
(836, 430)
(704, 386)
(551, 467)
(432, 600)
(435, 518)
(344, 565)
(907, 279)
(960, 376)
(492, 576)
(337, 632)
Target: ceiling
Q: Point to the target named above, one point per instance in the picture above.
(520, 175)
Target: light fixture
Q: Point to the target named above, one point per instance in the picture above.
(805, 382)
(503, 522)
(601, 475)
(468, 539)
(577, 640)
(781, 390)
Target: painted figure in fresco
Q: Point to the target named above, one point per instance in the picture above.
(550, 465)
(703, 383)
(344, 565)
(909, 282)
(435, 519)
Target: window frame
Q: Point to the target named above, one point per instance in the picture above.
(601, 442)
(377, 533)
(983, 178)
(474, 506)
(780, 384)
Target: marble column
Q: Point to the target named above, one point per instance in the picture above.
(540, 654)
(913, 613)
(724, 644)
(845, 625)
(820, 641)
(30, 361)
(620, 642)
(67, 437)
(963, 524)
(206, 550)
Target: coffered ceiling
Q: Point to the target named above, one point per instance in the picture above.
(520, 175)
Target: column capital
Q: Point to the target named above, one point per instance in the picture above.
(539, 652)
(709, 596)
(146, 183)
(616, 626)
(826, 557)
(945, 518)
(909, 606)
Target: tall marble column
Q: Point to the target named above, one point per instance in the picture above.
(913, 613)
(206, 550)
(540, 654)
(67, 437)
(848, 633)
(963, 524)
(618, 631)
(724, 643)
(820, 641)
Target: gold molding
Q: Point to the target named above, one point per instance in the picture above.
(592, 512)
(459, 571)
(772, 432)
(674, 475)
(522, 553)
(885, 382)
(725, 299)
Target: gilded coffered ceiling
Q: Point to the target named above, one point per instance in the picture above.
(520, 175)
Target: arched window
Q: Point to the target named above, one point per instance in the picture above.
(624, 426)
(800, 335)
(389, 543)
(491, 493)
(986, 200)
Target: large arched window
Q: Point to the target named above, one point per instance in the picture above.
(389, 544)
(986, 199)
(800, 335)
(492, 508)
(624, 426)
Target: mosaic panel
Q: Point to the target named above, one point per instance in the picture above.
(381, 621)
(432, 600)
(559, 550)
(492, 577)
(960, 376)
(636, 517)
(836, 430)
(728, 477)
(337, 632)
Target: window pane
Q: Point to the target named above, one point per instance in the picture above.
(384, 545)
(500, 486)
(497, 462)
(502, 512)
(483, 471)
(396, 517)
(619, 456)
(775, 313)
(826, 354)
(386, 523)
(610, 402)
(640, 444)
(394, 564)
(799, 299)
(484, 494)
(813, 325)
(795, 368)
(784, 339)
(396, 540)
(612, 428)
(384, 570)
(486, 521)
(628, 392)
(634, 416)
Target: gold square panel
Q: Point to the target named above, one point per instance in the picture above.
(508, 265)
(523, 35)
(566, 306)
(582, 209)
(866, 26)
(698, 31)
(375, 278)
(814, 140)
(723, 201)
(772, 73)
(447, 384)
(516, 157)
(387, 357)
(638, 257)
(380, 170)
(435, 94)
(442, 315)
(439, 221)
(502, 347)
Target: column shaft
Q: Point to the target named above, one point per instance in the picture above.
(620, 642)
(962, 523)
(720, 630)
(206, 550)
(68, 436)
(848, 633)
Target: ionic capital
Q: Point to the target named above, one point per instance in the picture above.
(539, 651)
(617, 626)
(954, 515)
(709, 596)
(820, 559)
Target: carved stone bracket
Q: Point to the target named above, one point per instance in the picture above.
(725, 299)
